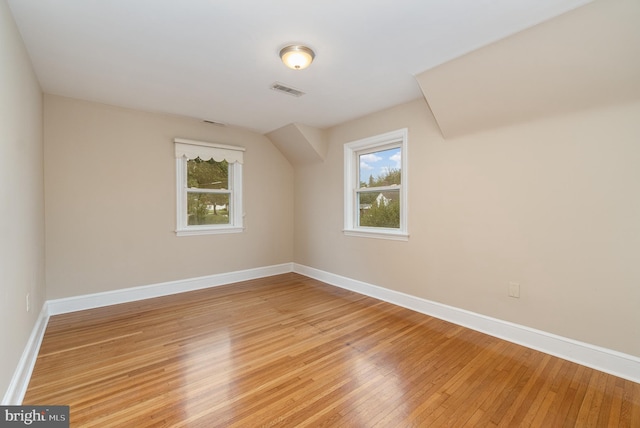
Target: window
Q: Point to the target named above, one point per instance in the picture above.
(209, 188)
(375, 188)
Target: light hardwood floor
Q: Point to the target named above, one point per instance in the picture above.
(291, 351)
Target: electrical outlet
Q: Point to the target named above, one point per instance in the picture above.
(28, 302)
(514, 290)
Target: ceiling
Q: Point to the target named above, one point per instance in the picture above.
(216, 60)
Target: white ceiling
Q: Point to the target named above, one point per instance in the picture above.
(216, 59)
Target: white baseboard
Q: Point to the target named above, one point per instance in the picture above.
(602, 359)
(125, 295)
(606, 360)
(22, 375)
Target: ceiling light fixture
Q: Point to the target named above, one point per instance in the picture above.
(297, 57)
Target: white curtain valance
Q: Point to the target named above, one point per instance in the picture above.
(218, 152)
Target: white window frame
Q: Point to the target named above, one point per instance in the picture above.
(190, 149)
(352, 150)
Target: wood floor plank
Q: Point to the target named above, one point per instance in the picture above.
(291, 351)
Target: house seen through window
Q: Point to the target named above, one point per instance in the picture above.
(378, 192)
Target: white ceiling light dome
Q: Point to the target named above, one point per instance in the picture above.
(297, 57)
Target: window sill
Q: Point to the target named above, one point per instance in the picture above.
(389, 234)
(208, 231)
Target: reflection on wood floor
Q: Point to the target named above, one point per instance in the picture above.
(291, 351)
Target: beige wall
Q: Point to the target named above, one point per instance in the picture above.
(21, 197)
(559, 66)
(110, 201)
(552, 204)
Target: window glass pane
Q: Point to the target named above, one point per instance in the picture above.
(207, 208)
(207, 174)
(379, 209)
(381, 168)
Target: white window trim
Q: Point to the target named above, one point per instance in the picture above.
(190, 149)
(351, 183)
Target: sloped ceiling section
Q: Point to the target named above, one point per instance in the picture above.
(585, 58)
(300, 144)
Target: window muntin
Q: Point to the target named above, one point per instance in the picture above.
(375, 186)
(209, 188)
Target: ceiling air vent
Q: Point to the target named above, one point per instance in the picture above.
(286, 90)
(212, 122)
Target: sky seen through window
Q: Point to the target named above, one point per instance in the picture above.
(378, 164)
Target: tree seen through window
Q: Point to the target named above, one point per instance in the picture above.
(207, 192)
(380, 208)
(379, 194)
